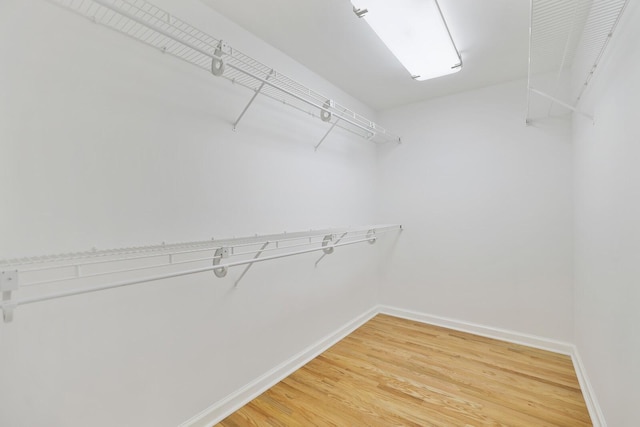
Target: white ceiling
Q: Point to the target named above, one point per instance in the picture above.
(326, 36)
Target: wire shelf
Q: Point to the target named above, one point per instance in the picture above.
(157, 28)
(79, 272)
(567, 37)
(94, 256)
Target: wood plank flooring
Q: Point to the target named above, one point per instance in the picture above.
(392, 371)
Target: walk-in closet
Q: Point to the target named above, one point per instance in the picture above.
(320, 212)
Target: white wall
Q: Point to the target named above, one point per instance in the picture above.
(607, 205)
(486, 205)
(108, 143)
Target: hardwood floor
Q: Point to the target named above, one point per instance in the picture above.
(392, 371)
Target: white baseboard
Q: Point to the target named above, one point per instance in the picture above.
(225, 407)
(597, 417)
(485, 331)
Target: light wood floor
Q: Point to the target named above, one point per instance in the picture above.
(392, 371)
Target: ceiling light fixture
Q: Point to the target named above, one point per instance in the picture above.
(416, 33)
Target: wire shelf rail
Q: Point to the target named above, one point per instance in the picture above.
(566, 37)
(142, 21)
(181, 259)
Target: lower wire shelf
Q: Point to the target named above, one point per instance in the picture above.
(219, 255)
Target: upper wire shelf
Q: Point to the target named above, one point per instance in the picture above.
(155, 27)
(566, 37)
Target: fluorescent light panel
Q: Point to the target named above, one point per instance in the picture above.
(415, 32)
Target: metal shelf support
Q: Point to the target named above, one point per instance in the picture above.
(8, 283)
(326, 135)
(560, 102)
(257, 255)
(329, 249)
(255, 95)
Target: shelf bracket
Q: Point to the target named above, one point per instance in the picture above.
(217, 62)
(262, 248)
(559, 102)
(329, 249)
(255, 95)
(326, 134)
(371, 236)
(8, 283)
(219, 254)
(325, 111)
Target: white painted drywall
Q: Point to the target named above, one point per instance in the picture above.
(607, 206)
(105, 142)
(486, 205)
